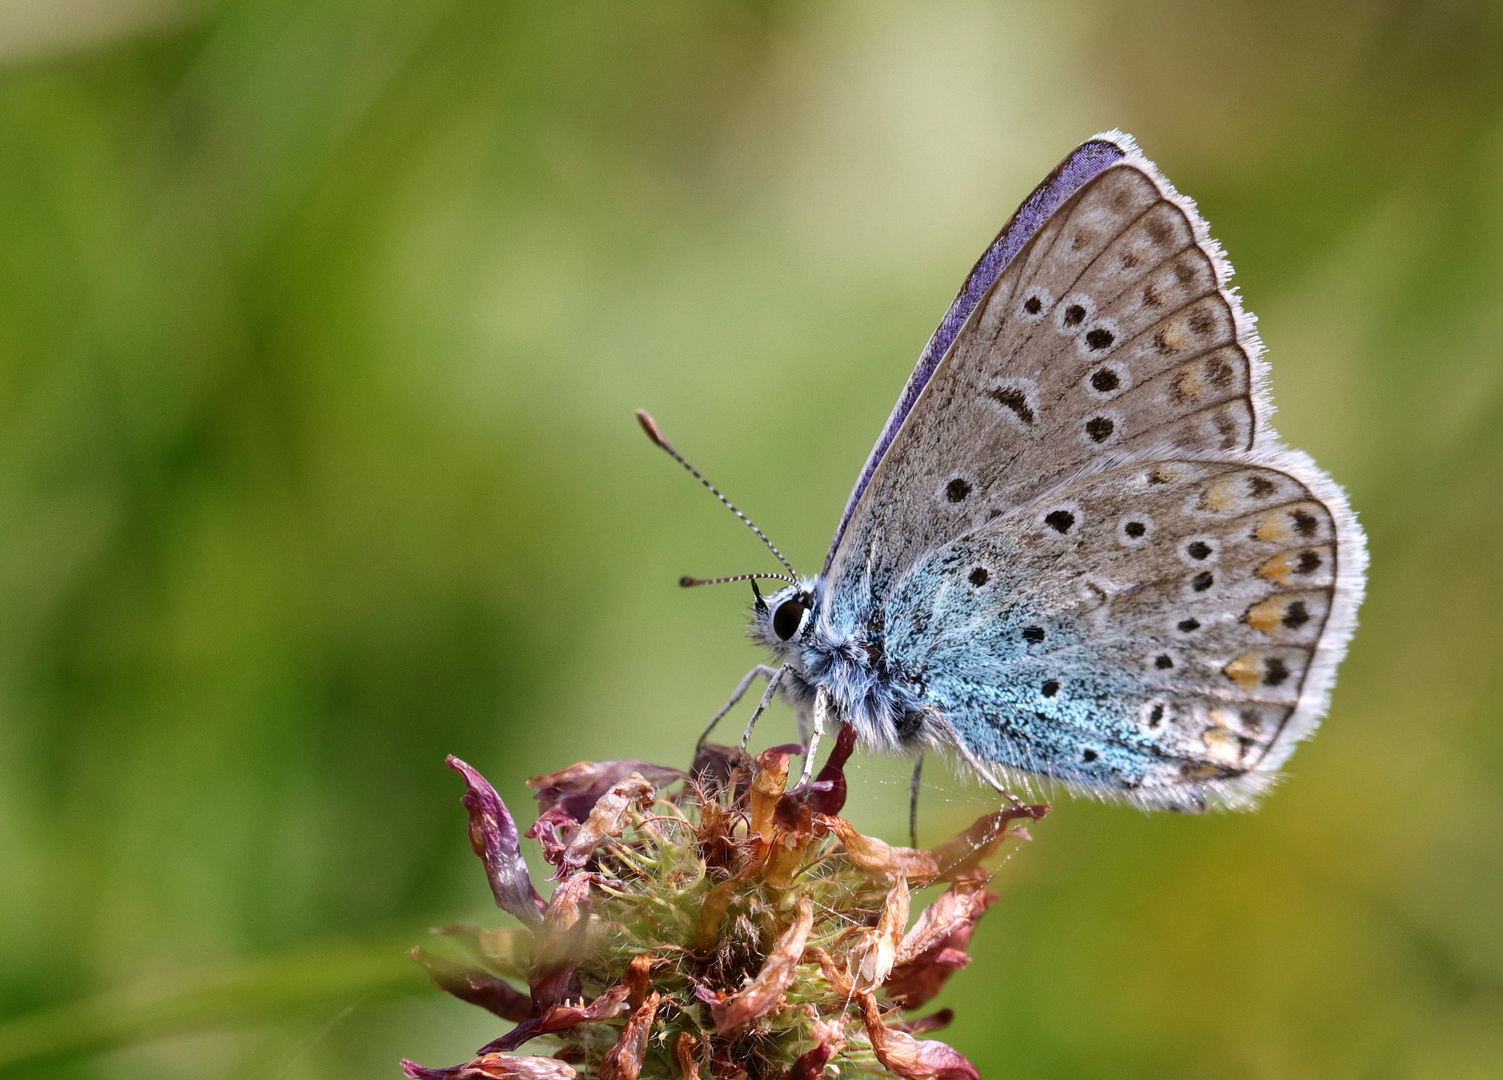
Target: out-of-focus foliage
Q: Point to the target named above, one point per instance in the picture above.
(320, 327)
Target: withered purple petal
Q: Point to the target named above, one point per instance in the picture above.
(475, 986)
(553, 830)
(578, 788)
(811, 1065)
(832, 800)
(493, 835)
(496, 1067)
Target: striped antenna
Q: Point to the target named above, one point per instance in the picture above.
(654, 433)
(688, 582)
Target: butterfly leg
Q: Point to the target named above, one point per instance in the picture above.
(772, 688)
(913, 794)
(745, 684)
(821, 706)
(972, 760)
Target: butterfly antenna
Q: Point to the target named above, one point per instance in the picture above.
(688, 582)
(650, 426)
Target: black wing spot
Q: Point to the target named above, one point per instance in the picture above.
(1074, 315)
(956, 490)
(1156, 716)
(1088, 756)
(1261, 487)
(1050, 688)
(1033, 305)
(1061, 521)
(1100, 338)
(1163, 662)
(1198, 549)
(1218, 372)
(1296, 615)
(1034, 635)
(1275, 671)
(979, 576)
(1201, 321)
(1189, 626)
(1305, 523)
(1105, 380)
(1202, 581)
(1010, 397)
(1135, 529)
(1308, 563)
(1100, 428)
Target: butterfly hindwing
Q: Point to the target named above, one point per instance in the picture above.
(1165, 631)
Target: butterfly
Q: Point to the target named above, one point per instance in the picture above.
(1078, 553)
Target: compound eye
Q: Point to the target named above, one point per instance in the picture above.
(786, 620)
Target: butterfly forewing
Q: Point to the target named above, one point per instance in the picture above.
(1148, 630)
(1110, 335)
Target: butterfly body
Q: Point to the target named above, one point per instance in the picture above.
(1077, 552)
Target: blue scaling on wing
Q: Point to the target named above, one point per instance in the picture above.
(1011, 663)
(1084, 163)
(1145, 631)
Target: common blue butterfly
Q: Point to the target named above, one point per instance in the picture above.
(1078, 551)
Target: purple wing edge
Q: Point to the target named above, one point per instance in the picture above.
(1084, 163)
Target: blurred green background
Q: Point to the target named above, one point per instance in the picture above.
(321, 324)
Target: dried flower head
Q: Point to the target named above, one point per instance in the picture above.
(712, 924)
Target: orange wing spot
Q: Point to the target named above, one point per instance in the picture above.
(1190, 385)
(1222, 745)
(1246, 671)
(1274, 528)
(1173, 338)
(1265, 616)
(1276, 569)
(1218, 496)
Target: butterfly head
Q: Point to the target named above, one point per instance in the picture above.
(783, 619)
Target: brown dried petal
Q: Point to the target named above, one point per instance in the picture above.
(768, 782)
(839, 982)
(880, 946)
(476, 986)
(553, 830)
(966, 849)
(911, 985)
(579, 787)
(607, 819)
(879, 858)
(831, 1031)
(624, 1061)
(910, 1058)
(760, 996)
(493, 835)
(496, 1067)
(561, 942)
(636, 982)
(686, 1049)
(956, 910)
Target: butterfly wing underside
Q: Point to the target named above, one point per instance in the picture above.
(1110, 340)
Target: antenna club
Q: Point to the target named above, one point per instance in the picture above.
(686, 582)
(650, 426)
